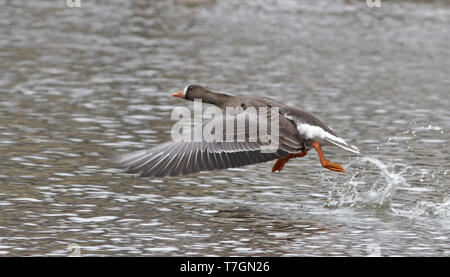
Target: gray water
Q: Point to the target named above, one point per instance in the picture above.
(79, 83)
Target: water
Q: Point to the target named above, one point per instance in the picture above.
(79, 83)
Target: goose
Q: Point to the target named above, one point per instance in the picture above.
(298, 133)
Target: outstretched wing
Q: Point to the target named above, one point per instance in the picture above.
(180, 158)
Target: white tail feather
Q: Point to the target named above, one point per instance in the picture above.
(319, 134)
(342, 144)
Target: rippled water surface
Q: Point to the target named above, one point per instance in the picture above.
(79, 83)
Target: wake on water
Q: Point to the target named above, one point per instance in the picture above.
(373, 184)
(429, 209)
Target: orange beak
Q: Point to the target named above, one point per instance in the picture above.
(179, 94)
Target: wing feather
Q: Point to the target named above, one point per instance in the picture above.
(180, 158)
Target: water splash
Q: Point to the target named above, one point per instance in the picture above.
(428, 209)
(372, 183)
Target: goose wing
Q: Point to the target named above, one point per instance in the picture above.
(180, 157)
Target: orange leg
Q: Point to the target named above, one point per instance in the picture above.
(326, 163)
(279, 164)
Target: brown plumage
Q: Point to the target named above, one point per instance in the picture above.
(299, 131)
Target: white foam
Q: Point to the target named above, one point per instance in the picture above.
(427, 209)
